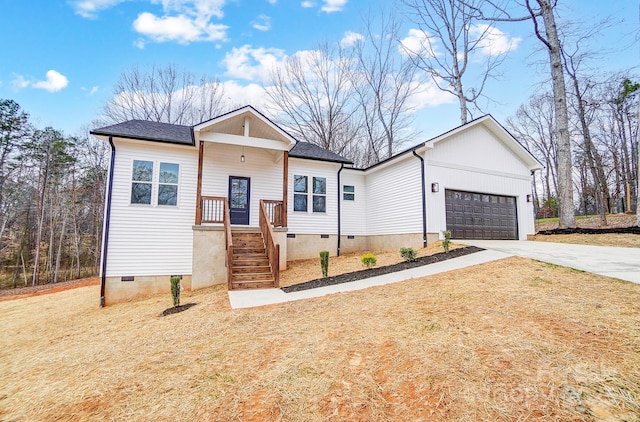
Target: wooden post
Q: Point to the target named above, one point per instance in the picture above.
(285, 188)
(199, 185)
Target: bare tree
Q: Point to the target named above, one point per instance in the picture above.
(450, 41)
(313, 95)
(385, 80)
(165, 94)
(542, 14)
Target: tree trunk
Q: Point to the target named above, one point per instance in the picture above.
(565, 180)
(59, 252)
(638, 174)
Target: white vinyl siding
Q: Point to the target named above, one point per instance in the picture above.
(475, 161)
(151, 240)
(263, 167)
(310, 222)
(394, 197)
(354, 213)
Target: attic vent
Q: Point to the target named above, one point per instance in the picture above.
(351, 237)
(324, 236)
(291, 235)
(127, 278)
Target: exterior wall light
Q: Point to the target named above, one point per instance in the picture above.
(529, 198)
(435, 187)
(242, 156)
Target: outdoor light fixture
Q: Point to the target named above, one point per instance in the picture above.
(242, 156)
(435, 187)
(529, 198)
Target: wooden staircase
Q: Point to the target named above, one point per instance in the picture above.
(250, 267)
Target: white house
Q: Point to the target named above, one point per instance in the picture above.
(232, 199)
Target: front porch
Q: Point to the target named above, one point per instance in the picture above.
(241, 202)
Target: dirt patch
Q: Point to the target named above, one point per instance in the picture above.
(42, 289)
(376, 271)
(177, 309)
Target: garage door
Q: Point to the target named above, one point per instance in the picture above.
(473, 215)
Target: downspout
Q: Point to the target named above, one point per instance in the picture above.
(107, 217)
(424, 202)
(339, 210)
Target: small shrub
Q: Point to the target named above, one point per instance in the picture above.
(324, 263)
(446, 242)
(369, 260)
(408, 254)
(175, 289)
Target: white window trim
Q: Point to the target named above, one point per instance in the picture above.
(155, 183)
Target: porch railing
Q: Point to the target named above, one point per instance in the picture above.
(213, 209)
(273, 249)
(275, 212)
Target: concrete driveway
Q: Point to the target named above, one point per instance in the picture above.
(622, 263)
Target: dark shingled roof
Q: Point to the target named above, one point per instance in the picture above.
(314, 152)
(150, 131)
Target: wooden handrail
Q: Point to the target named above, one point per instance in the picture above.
(273, 249)
(228, 240)
(275, 212)
(212, 209)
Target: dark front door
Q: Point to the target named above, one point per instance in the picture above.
(239, 195)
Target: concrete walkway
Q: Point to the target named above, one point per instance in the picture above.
(609, 261)
(261, 297)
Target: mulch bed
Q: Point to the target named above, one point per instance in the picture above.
(372, 272)
(586, 230)
(176, 309)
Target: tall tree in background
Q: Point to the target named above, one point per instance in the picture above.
(453, 47)
(385, 81)
(542, 14)
(313, 95)
(165, 94)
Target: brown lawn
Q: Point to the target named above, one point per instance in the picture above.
(509, 340)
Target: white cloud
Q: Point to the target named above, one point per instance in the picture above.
(350, 39)
(307, 4)
(90, 91)
(418, 42)
(331, 6)
(241, 95)
(492, 41)
(181, 28)
(427, 94)
(253, 64)
(19, 82)
(262, 23)
(55, 82)
(90, 8)
(272, 1)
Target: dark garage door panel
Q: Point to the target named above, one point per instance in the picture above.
(473, 215)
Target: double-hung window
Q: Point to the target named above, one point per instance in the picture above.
(348, 193)
(300, 193)
(154, 183)
(319, 194)
(141, 182)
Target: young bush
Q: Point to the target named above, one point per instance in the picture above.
(175, 289)
(446, 242)
(324, 263)
(408, 254)
(368, 260)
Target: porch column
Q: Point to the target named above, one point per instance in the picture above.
(285, 188)
(199, 185)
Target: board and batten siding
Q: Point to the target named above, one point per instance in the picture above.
(310, 222)
(264, 167)
(149, 240)
(476, 161)
(354, 213)
(394, 197)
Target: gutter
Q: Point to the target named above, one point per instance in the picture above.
(424, 201)
(339, 210)
(107, 218)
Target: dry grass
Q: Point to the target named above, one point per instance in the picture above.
(621, 240)
(591, 221)
(309, 269)
(509, 340)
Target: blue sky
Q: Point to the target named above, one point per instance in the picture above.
(60, 59)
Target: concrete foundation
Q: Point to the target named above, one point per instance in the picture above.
(305, 246)
(118, 291)
(209, 255)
